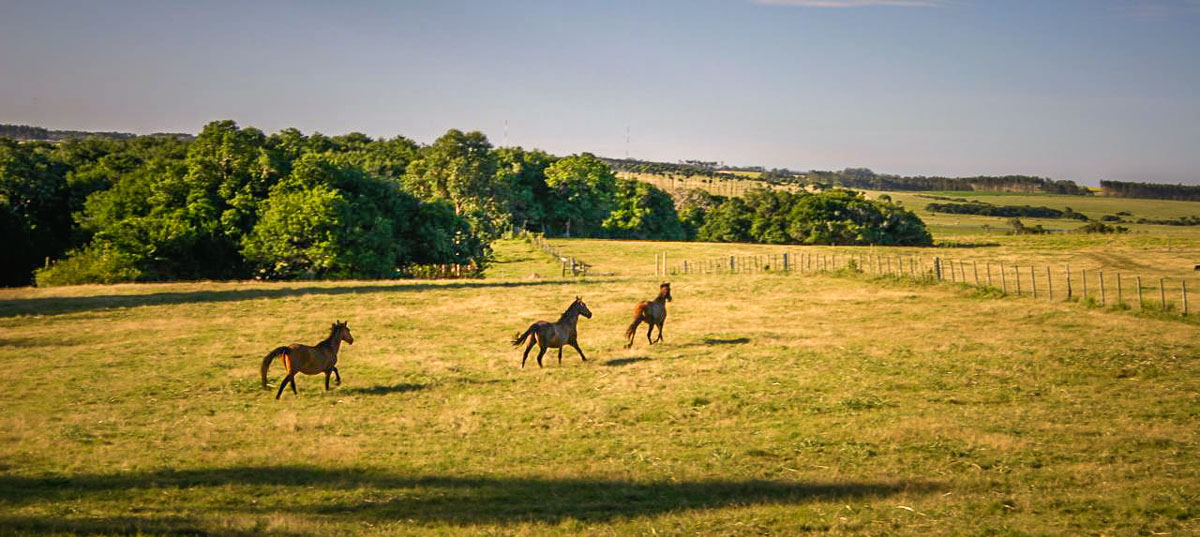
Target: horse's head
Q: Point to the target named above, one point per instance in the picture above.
(664, 291)
(343, 332)
(582, 308)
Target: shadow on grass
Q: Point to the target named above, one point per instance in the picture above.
(625, 361)
(59, 305)
(338, 495)
(385, 390)
(726, 341)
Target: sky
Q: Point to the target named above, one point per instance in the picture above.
(1070, 89)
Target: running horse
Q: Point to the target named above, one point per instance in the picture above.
(653, 312)
(299, 358)
(554, 335)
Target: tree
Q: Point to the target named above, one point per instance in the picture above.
(460, 168)
(583, 187)
(642, 211)
(524, 175)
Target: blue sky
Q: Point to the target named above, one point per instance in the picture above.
(1083, 90)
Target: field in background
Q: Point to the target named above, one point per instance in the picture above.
(778, 404)
(952, 227)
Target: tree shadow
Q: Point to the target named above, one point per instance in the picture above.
(625, 361)
(338, 494)
(385, 390)
(59, 305)
(726, 341)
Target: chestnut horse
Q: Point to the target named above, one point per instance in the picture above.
(653, 312)
(554, 335)
(310, 360)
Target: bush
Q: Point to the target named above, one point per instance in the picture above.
(96, 263)
(1101, 227)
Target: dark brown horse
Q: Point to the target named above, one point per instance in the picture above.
(299, 358)
(653, 312)
(554, 335)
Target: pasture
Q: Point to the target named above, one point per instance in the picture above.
(778, 404)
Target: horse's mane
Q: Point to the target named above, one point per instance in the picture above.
(570, 309)
(328, 342)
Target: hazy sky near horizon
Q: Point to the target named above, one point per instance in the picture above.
(1072, 89)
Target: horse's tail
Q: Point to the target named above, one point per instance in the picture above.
(519, 339)
(637, 319)
(266, 363)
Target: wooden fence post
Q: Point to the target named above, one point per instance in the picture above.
(1083, 276)
(1049, 284)
(731, 264)
(1003, 279)
(975, 266)
(664, 263)
(1183, 287)
(989, 273)
(1033, 280)
(1017, 273)
(1120, 299)
(1068, 282)
(937, 268)
(685, 266)
(1141, 304)
(785, 261)
(1103, 296)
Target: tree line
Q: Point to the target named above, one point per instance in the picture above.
(1009, 211)
(42, 134)
(1122, 189)
(236, 203)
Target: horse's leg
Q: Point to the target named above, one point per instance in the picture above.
(541, 353)
(560, 356)
(338, 377)
(283, 384)
(579, 350)
(327, 379)
(528, 348)
(649, 330)
(660, 327)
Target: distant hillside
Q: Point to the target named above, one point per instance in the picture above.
(41, 134)
(861, 178)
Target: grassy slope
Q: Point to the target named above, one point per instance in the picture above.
(778, 404)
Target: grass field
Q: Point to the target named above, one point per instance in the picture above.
(777, 405)
(952, 227)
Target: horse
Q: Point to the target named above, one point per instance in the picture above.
(653, 312)
(310, 360)
(554, 335)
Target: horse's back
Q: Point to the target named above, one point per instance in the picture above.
(307, 359)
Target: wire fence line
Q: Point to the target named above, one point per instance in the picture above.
(1118, 289)
(570, 264)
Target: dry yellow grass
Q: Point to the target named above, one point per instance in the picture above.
(777, 405)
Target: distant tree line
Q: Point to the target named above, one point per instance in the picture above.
(868, 180)
(1007, 211)
(840, 217)
(684, 169)
(1121, 189)
(40, 134)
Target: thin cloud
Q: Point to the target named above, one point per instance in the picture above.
(839, 4)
